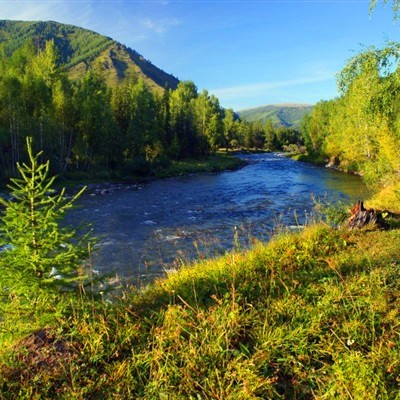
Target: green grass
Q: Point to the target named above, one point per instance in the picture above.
(215, 163)
(309, 158)
(312, 315)
(145, 171)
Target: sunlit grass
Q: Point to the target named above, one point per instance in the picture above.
(216, 163)
(309, 315)
(387, 198)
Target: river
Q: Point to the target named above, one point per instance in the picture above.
(145, 230)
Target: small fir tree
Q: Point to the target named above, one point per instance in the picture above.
(39, 258)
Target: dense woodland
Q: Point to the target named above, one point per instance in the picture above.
(82, 124)
(360, 130)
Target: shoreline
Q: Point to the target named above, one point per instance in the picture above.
(190, 167)
(102, 181)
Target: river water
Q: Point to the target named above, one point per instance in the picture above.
(146, 230)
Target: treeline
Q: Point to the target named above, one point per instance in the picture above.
(360, 130)
(83, 124)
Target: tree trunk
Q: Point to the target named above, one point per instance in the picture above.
(361, 217)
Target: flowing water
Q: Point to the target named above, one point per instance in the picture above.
(147, 229)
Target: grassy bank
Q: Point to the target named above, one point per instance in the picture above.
(143, 171)
(216, 163)
(309, 158)
(387, 198)
(308, 315)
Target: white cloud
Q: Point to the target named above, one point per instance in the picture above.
(27, 10)
(159, 26)
(72, 12)
(126, 21)
(256, 89)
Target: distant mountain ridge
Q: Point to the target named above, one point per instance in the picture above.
(80, 49)
(285, 114)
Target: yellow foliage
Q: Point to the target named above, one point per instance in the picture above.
(387, 199)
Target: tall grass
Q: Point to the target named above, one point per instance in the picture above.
(311, 315)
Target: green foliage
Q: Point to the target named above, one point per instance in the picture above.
(266, 131)
(40, 258)
(360, 129)
(380, 62)
(138, 167)
(287, 136)
(75, 44)
(271, 141)
(315, 127)
(124, 131)
(81, 125)
(395, 6)
(332, 213)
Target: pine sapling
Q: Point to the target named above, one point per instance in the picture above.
(40, 258)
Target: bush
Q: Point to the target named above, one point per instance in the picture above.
(137, 167)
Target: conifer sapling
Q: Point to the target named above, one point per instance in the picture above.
(39, 256)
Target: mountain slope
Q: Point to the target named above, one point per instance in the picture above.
(80, 49)
(289, 115)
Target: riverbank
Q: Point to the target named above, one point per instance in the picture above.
(305, 157)
(383, 197)
(142, 171)
(309, 315)
(145, 172)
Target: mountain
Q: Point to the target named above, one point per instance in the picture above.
(287, 114)
(80, 49)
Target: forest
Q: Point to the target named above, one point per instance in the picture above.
(83, 124)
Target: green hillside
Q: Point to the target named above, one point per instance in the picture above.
(289, 115)
(80, 49)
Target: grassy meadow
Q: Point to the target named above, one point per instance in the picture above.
(309, 315)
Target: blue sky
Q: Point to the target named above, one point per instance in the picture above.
(246, 52)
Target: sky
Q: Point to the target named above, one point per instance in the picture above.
(246, 52)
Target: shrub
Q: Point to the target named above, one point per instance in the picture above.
(137, 167)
